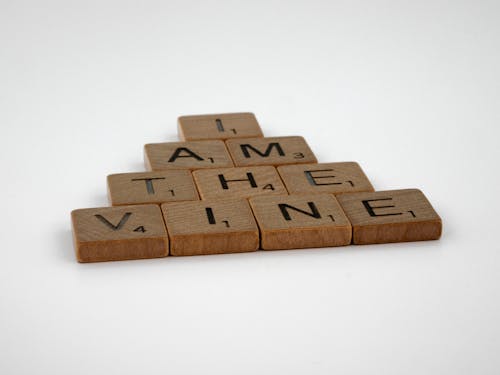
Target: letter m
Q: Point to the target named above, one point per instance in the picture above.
(245, 148)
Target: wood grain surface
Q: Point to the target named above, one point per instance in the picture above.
(241, 182)
(211, 227)
(335, 178)
(119, 233)
(300, 221)
(270, 151)
(218, 126)
(186, 155)
(151, 187)
(391, 216)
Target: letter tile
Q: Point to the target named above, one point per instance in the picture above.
(186, 155)
(270, 151)
(211, 227)
(151, 187)
(391, 216)
(241, 182)
(218, 126)
(300, 221)
(119, 233)
(335, 178)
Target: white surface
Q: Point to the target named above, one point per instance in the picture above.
(409, 89)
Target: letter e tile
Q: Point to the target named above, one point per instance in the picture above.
(391, 216)
(334, 178)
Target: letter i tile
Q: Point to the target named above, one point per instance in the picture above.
(211, 227)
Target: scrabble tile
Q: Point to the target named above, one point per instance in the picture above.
(270, 151)
(391, 216)
(151, 187)
(218, 126)
(186, 155)
(119, 233)
(300, 221)
(211, 227)
(332, 178)
(240, 182)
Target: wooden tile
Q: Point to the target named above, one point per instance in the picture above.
(335, 178)
(119, 233)
(241, 182)
(391, 216)
(218, 126)
(270, 151)
(151, 187)
(186, 155)
(300, 221)
(211, 227)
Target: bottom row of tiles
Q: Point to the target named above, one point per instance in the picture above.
(265, 222)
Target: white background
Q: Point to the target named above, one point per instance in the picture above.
(409, 89)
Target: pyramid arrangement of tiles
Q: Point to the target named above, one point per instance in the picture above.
(225, 188)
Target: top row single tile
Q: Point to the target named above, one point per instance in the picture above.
(218, 126)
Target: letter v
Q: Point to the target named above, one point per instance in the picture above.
(110, 225)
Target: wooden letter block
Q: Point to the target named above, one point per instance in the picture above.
(238, 182)
(218, 126)
(332, 178)
(119, 233)
(270, 151)
(186, 155)
(151, 187)
(391, 216)
(300, 221)
(211, 227)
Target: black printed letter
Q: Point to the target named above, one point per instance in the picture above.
(110, 225)
(149, 183)
(314, 210)
(312, 179)
(371, 211)
(210, 215)
(190, 154)
(245, 149)
(249, 178)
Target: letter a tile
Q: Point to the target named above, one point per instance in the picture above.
(211, 227)
(270, 151)
(300, 221)
(218, 126)
(119, 233)
(391, 216)
(186, 155)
